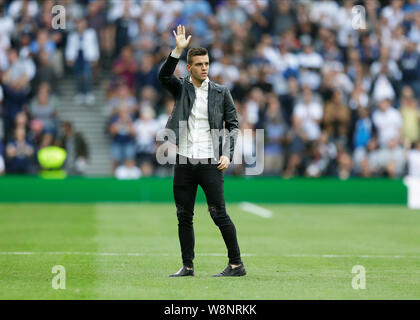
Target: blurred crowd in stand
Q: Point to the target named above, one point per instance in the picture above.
(32, 62)
(333, 100)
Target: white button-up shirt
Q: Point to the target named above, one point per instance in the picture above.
(196, 141)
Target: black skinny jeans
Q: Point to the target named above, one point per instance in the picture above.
(186, 179)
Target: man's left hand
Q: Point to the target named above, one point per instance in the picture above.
(224, 163)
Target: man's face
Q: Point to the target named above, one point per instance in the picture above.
(199, 68)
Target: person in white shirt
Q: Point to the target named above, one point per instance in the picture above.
(388, 122)
(310, 63)
(307, 115)
(324, 12)
(146, 128)
(128, 171)
(391, 160)
(414, 161)
(82, 51)
(393, 13)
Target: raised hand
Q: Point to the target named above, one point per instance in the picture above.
(181, 42)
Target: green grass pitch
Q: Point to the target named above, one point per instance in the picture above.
(127, 251)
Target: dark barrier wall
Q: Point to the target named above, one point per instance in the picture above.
(255, 189)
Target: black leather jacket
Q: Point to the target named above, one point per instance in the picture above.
(220, 108)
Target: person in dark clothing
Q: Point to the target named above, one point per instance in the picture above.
(410, 67)
(45, 73)
(76, 148)
(19, 153)
(198, 161)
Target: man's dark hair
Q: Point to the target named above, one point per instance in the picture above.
(195, 51)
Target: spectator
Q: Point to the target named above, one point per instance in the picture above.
(241, 87)
(224, 68)
(363, 129)
(123, 16)
(324, 12)
(168, 107)
(43, 109)
(414, 161)
(307, 116)
(388, 122)
(23, 12)
(284, 19)
(19, 153)
(393, 13)
(387, 73)
(128, 171)
(410, 114)
(147, 74)
(82, 52)
(146, 129)
(336, 118)
(289, 100)
(97, 20)
(45, 73)
(197, 12)
(15, 90)
(43, 43)
(344, 165)
(229, 13)
(317, 162)
(77, 149)
(148, 98)
(310, 63)
(21, 70)
(275, 131)
(365, 159)
(20, 7)
(122, 96)
(410, 67)
(390, 161)
(125, 68)
(121, 129)
(253, 106)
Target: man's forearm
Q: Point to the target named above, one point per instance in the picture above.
(166, 73)
(169, 66)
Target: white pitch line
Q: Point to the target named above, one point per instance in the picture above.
(366, 256)
(131, 254)
(257, 210)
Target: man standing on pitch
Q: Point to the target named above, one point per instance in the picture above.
(201, 107)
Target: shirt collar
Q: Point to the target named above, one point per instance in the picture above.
(204, 84)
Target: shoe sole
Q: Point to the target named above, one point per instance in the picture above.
(234, 275)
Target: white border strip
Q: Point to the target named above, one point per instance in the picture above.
(257, 210)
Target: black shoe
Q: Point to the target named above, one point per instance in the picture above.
(183, 272)
(232, 272)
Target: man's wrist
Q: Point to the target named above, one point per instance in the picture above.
(176, 53)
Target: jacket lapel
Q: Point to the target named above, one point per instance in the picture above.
(211, 101)
(191, 94)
